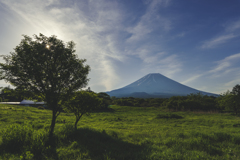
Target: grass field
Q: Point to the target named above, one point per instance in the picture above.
(122, 133)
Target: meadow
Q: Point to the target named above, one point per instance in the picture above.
(119, 133)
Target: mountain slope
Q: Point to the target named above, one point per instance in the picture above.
(155, 85)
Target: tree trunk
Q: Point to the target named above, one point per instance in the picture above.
(77, 119)
(54, 108)
(54, 117)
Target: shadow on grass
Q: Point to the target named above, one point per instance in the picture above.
(168, 116)
(68, 143)
(99, 145)
(105, 110)
(39, 149)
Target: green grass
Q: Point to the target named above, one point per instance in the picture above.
(125, 133)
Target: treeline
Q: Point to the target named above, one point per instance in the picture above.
(228, 101)
(138, 102)
(8, 94)
(177, 103)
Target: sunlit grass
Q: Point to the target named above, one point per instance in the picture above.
(134, 133)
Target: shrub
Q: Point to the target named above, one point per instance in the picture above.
(39, 143)
(17, 138)
(67, 132)
(169, 115)
(40, 107)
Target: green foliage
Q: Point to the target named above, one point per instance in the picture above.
(169, 115)
(44, 65)
(47, 67)
(104, 95)
(126, 133)
(18, 94)
(230, 100)
(138, 102)
(236, 90)
(106, 100)
(82, 102)
(193, 102)
(40, 143)
(17, 138)
(23, 140)
(8, 94)
(40, 107)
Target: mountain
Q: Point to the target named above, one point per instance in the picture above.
(155, 85)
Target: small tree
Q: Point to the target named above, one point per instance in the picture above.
(17, 94)
(236, 90)
(46, 67)
(236, 93)
(106, 100)
(81, 103)
(230, 100)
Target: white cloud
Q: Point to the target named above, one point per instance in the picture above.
(233, 26)
(218, 40)
(232, 57)
(149, 21)
(192, 78)
(91, 30)
(232, 83)
(223, 76)
(106, 41)
(162, 62)
(149, 50)
(226, 63)
(231, 31)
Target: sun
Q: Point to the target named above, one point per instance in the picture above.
(47, 46)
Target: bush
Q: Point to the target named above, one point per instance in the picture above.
(39, 143)
(16, 138)
(169, 115)
(67, 132)
(22, 140)
(40, 107)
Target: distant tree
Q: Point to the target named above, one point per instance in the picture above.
(5, 94)
(81, 103)
(22, 93)
(17, 94)
(174, 103)
(201, 102)
(9, 95)
(47, 67)
(104, 95)
(89, 89)
(106, 100)
(230, 100)
(236, 93)
(236, 90)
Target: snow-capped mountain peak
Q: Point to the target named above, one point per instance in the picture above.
(157, 85)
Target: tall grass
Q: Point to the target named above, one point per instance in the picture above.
(123, 133)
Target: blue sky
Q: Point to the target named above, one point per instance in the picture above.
(194, 42)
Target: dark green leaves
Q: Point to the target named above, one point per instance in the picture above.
(45, 65)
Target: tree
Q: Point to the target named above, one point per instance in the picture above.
(236, 90)
(47, 67)
(106, 100)
(16, 95)
(81, 103)
(230, 100)
(6, 95)
(236, 93)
